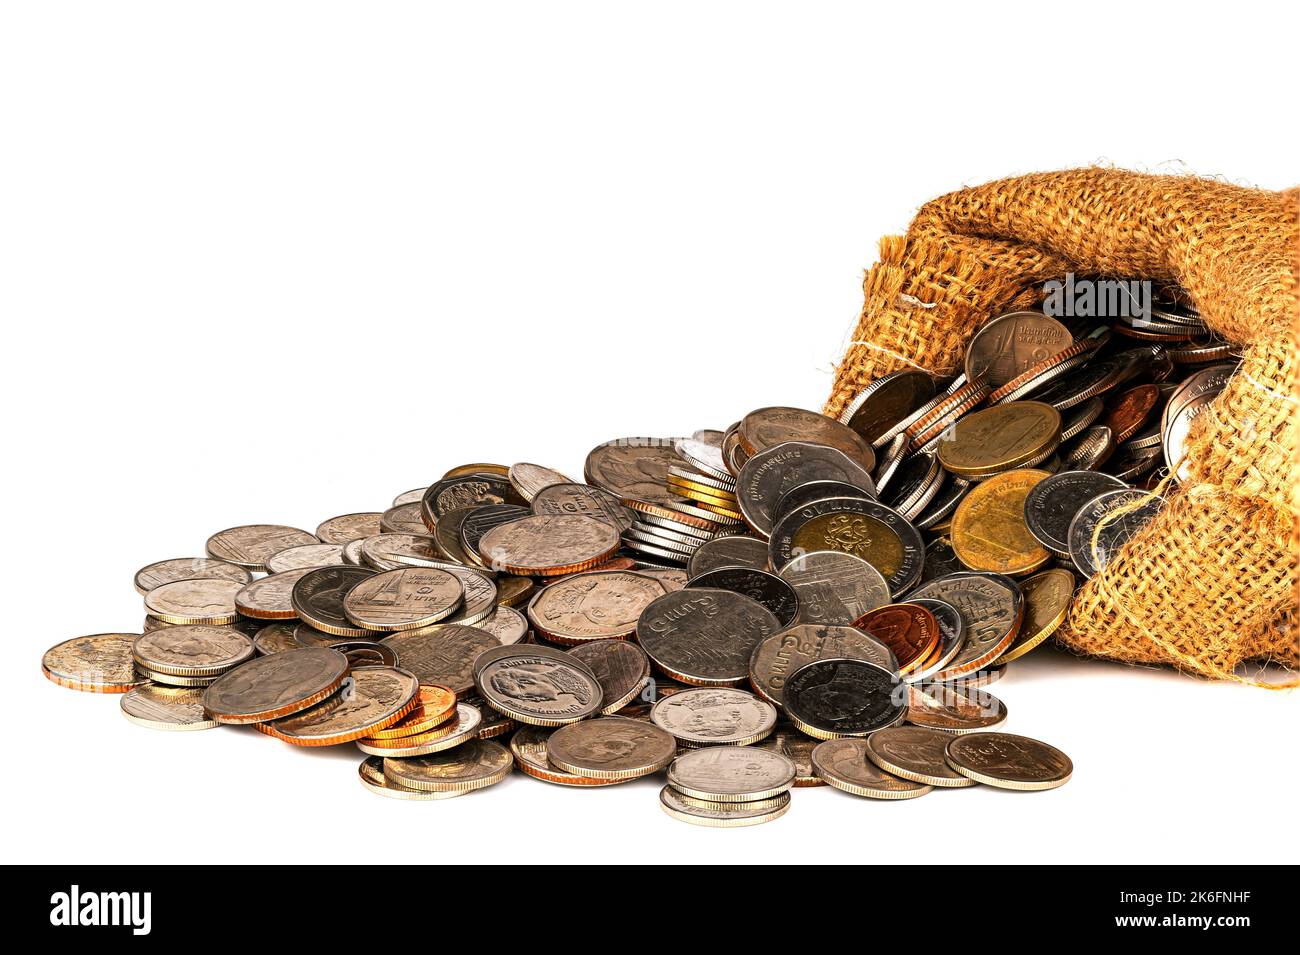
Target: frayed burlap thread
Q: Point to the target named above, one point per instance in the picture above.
(1212, 582)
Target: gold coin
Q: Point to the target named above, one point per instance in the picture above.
(371, 774)
(513, 591)
(450, 734)
(988, 528)
(858, 534)
(1047, 602)
(474, 765)
(435, 705)
(166, 708)
(198, 600)
(1000, 438)
(98, 663)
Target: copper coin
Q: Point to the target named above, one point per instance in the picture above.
(546, 545)
(1129, 410)
(1012, 344)
(269, 687)
(593, 606)
(908, 629)
(251, 545)
(98, 663)
(371, 699)
(349, 527)
(435, 705)
(529, 748)
(270, 598)
(183, 568)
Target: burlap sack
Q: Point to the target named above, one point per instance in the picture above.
(1212, 582)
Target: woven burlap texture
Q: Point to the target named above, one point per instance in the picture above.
(1212, 582)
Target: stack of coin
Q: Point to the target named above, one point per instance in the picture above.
(728, 786)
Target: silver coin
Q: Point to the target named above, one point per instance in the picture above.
(886, 401)
(585, 501)
(991, 607)
(506, 624)
(349, 527)
(413, 496)
(834, 587)
(714, 716)
(804, 494)
(1106, 523)
(723, 815)
(305, 556)
(731, 773)
(769, 474)
(702, 636)
(185, 568)
(777, 658)
(392, 551)
(1052, 503)
(729, 550)
(771, 591)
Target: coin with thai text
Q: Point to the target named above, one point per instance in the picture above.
(834, 587)
(991, 607)
(531, 479)
(866, 529)
(722, 815)
(443, 654)
(582, 500)
(828, 699)
(404, 599)
(729, 550)
(915, 753)
(732, 773)
(910, 630)
(538, 688)
(769, 476)
(1047, 602)
(1052, 503)
(595, 605)
(989, 530)
(767, 427)
(1001, 438)
(778, 657)
(704, 637)
(318, 598)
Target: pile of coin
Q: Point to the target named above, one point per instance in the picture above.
(790, 602)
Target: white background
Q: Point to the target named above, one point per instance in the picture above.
(272, 262)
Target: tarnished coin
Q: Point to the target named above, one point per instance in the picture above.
(1002, 438)
(405, 599)
(394, 551)
(797, 748)
(371, 698)
(413, 496)
(989, 531)
(443, 654)
(595, 605)
(886, 401)
(548, 545)
(198, 600)
(1128, 411)
(771, 474)
(620, 666)
(482, 519)
(777, 658)
(195, 650)
(1052, 503)
(952, 634)
(633, 469)
(449, 734)
(531, 479)
(866, 529)
(915, 753)
(829, 699)
(465, 490)
(991, 607)
(728, 550)
(953, 709)
(318, 598)
(473, 765)
(834, 587)
(538, 688)
(304, 557)
(731, 773)
(767, 589)
(1007, 761)
(843, 763)
(446, 536)
(269, 687)
(722, 815)
(166, 707)
(529, 747)
(251, 545)
(270, 598)
(98, 663)
(611, 747)
(582, 500)
(366, 653)
(910, 630)
(1011, 344)
(704, 637)
(940, 561)
(507, 624)
(185, 568)
(404, 519)
(434, 706)
(1047, 601)
(768, 427)
(714, 716)
(1106, 523)
(276, 638)
(350, 527)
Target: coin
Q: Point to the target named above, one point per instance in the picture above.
(404, 519)
(350, 527)
(1129, 410)
(938, 513)
(909, 630)
(507, 624)
(956, 710)
(468, 767)
(352, 552)
(1052, 503)
(582, 500)
(498, 470)
(185, 568)
(197, 600)
(611, 747)
(758, 585)
(633, 469)
(780, 655)
(530, 479)
(843, 763)
(195, 650)
(803, 494)
(1047, 601)
(371, 699)
(729, 550)
(834, 587)
(446, 535)
(596, 605)
(304, 557)
(914, 486)
(1001, 438)
(886, 401)
(1081, 418)
(446, 735)
(797, 748)
(362, 653)
(722, 815)
(251, 545)
(705, 458)
(670, 577)
(714, 716)
(318, 598)
(767, 427)
(371, 774)
(939, 560)
(548, 545)
(731, 773)
(166, 707)
(866, 529)
(269, 687)
(991, 607)
(413, 496)
(482, 519)
(539, 688)
(393, 551)
(513, 591)
(620, 667)
(405, 599)
(443, 654)
(465, 490)
(98, 663)
(1009, 762)
(833, 698)
(434, 705)
(704, 637)
(269, 598)
(1106, 523)
(952, 634)
(529, 747)
(276, 638)
(989, 530)
(772, 473)
(480, 597)
(1013, 343)
(915, 753)
(895, 453)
